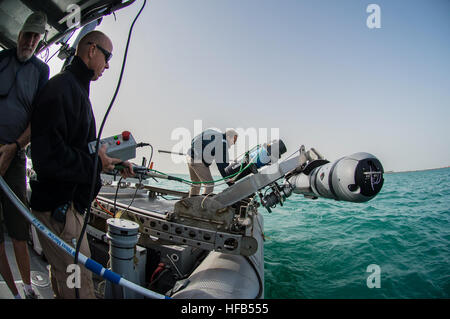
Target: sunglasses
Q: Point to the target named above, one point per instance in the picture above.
(108, 55)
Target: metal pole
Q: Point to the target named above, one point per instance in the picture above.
(169, 152)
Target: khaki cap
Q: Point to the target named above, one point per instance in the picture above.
(35, 23)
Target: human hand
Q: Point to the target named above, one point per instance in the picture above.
(127, 171)
(7, 153)
(107, 162)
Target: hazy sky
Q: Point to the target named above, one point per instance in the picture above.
(311, 69)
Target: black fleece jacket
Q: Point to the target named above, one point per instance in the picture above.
(62, 125)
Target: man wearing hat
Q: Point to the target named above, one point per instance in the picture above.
(22, 75)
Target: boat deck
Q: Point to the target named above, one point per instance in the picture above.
(39, 274)
(39, 266)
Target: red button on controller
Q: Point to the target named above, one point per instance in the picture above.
(126, 135)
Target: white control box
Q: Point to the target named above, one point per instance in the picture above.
(122, 146)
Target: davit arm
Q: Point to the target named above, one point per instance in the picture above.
(354, 178)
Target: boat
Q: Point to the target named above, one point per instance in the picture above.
(207, 246)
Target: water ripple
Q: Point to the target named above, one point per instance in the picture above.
(321, 249)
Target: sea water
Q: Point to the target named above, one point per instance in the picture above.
(322, 248)
(394, 246)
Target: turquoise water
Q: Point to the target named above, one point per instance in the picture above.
(322, 248)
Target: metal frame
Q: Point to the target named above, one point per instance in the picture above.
(91, 10)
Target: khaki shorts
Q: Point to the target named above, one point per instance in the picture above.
(16, 224)
(60, 260)
(199, 172)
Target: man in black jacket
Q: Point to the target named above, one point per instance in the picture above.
(62, 125)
